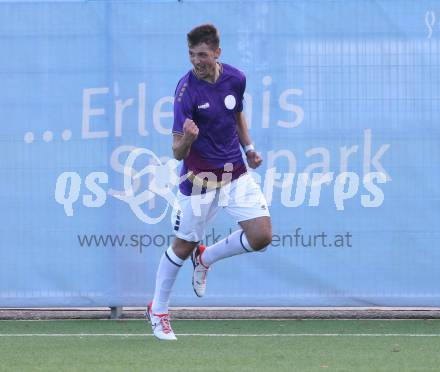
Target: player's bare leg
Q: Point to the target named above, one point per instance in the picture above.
(182, 248)
(258, 232)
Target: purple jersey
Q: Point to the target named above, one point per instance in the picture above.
(212, 106)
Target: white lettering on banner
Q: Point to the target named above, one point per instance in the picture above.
(226, 181)
(200, 199)
(162, 115)
(118, 167)
(74, 181)
(285, 105)
(324, 164)
(93, 186)
(272, 156)
(271, 177)
(158, 114)
(375, 160)
(346, 186)
(163, 178)
(340, 194)
(377, 194)
(141, 109)
(344, 155)
(318, 179)
(301, 189)
(122, 167)
(88, 111)
(369, 161)
(267, 80)
(161, 172)
(120, 106)
(247, 108)
(70, 183)
(430, 22)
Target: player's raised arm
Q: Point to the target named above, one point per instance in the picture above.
(182, 143)
(254, 159)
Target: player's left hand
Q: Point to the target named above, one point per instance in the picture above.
(254, 159)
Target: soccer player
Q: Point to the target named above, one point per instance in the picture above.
(209, 127)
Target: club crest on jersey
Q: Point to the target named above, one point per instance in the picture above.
(204, 106)
(230, 102)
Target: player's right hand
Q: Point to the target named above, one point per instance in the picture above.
(190, 130)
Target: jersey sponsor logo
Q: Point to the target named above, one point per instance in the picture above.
(230, 102)
(204, 106)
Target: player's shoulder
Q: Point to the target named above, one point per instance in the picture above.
(183, 81)
(233, 72)
(184, 86)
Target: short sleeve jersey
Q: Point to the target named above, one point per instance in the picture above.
(213, 107)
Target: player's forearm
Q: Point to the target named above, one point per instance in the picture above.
(181, 148)
(244, 137)
(243, 131)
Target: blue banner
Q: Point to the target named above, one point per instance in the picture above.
(342, 101)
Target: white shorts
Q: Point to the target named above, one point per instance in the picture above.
(242, 199)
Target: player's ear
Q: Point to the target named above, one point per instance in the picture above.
(217, 52)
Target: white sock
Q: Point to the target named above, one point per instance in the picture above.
(165, 277)
(234, 244)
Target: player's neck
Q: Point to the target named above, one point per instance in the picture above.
(218, 71)
(214, 77)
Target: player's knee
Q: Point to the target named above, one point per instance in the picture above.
(261, 241)
(182, 248)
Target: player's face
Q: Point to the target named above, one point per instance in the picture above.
(204, 60)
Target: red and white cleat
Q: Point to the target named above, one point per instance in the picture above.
(160, 323)
(200, 273)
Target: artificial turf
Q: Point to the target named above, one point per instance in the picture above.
(245, 345)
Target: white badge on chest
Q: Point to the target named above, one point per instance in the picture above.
(230, 102)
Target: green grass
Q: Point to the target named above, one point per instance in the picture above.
(137, 352)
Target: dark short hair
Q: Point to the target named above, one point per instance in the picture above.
(204, 34)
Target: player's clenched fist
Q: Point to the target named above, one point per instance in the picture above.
(190, 130)
(254, 159)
